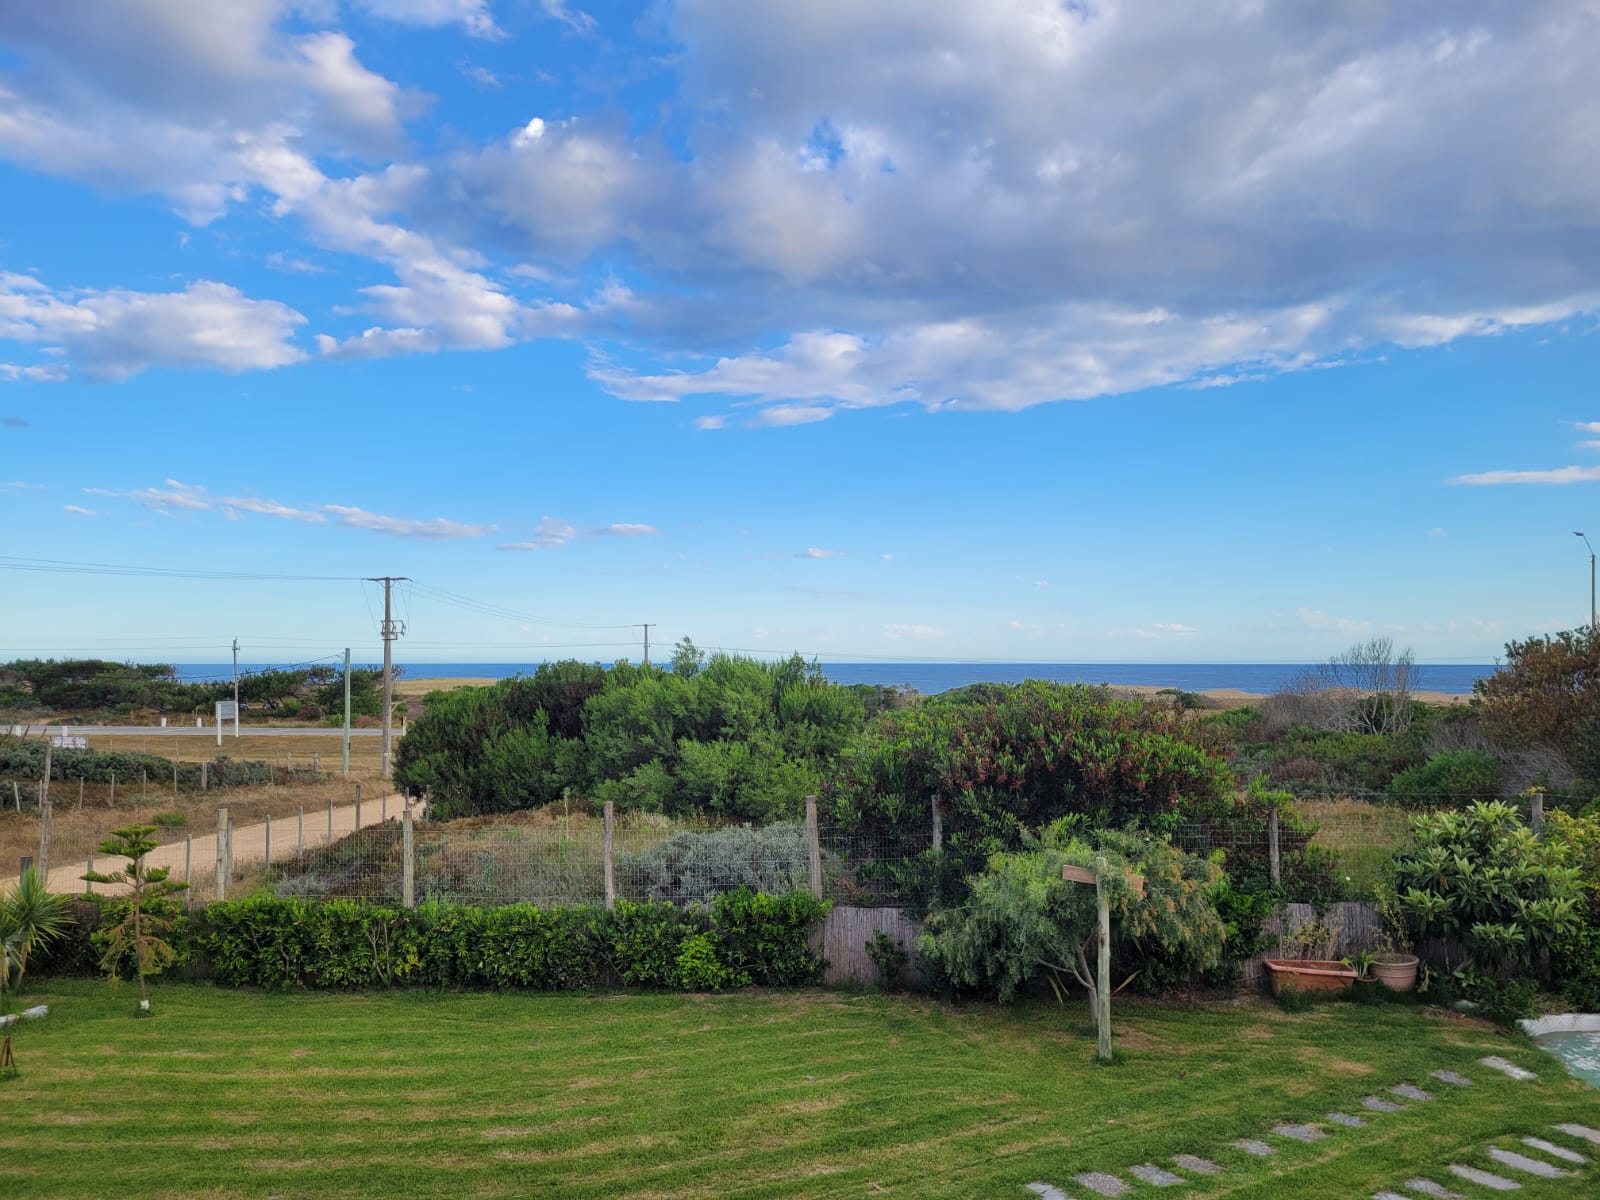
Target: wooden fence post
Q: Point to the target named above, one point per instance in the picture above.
(1536, 814)
(267, 857)
(408, 865)
(1274, 861)
(222, 854)
(80, 793)
(815, 844)
(610, 859)
(205, 776)
(1103, 996)
(938, 824)
(112, 803)
(358, 806)
(44, 837)
(330, 821)
(89, 865)
(300, 833)
(383, 809)
(188, 854)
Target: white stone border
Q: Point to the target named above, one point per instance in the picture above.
(1561, 1023)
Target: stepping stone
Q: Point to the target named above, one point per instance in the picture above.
(1581, 1131)
(1154, 1175)
(1200, 1166)
(1347, 1120)
(1508, 1068)
(1259, 1149)
(1554, 1151)
(34, 1013)
(1452, 1077)
(1300, 1133)
(1409, 1092)
(1521, 1162)
(1047, 1191)
(1428, 1187)
(1389, 1196)
(1101, 1183)
(1494, 1183)
(1379, 1104)
(8, 1020)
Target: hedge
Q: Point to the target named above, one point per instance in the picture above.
(264, 941)
(23, 758)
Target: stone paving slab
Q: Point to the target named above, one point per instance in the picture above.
(1409, 1092)
(1347, 1120)
(1101, 1183)
(1200, 1166)
(1300, 1133)
(1389, 1196)
(1427, 1187)
(1046, 1191)
(1581, 1131)
(1259, 1149)
(1529, 1166)
(1379, 1104)
(1154, 1175)
(1496, 1183)
(1452, 1077)
(1508, 1068)
(1554, 1151)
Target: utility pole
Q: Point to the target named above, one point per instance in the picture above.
(646, 627)
(391, 630)
(235, 690)
(1576, 533)
(347, 712)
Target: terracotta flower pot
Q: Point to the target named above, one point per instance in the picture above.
(1397, 972)
(1309, 975)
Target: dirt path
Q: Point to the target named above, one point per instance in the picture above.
(249, 846)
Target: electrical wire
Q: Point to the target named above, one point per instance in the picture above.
(63, 566)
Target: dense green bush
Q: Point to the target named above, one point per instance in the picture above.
(700, 866)
(23, 758)
(1452, 779)
(284, 942)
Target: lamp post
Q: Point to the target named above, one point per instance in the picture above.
(1576, 533)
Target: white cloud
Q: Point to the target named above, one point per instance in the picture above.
(1175, 629)
(271, 508)
(1315, 618)
(117, 334)
(33, 373)
(1557, 475)
(78, 510)
(1437, 532)
(1022, 626)
(574, 19)
(921, 633)
(473, 15)
(481, 76)
(818, 552)
(710, 422)
(184, 497)
(887, 557)
(628, 529)
(1041, 583)
(436, 530)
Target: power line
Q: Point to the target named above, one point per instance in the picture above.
(491, 609)
(63, 566)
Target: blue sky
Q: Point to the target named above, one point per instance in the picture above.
(1017, 330)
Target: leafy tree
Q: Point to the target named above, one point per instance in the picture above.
(1448, 780)
(30, 917)
(1480, 880)
(140, 931)
(687, 659)
(1548, 694)
(1022, 919)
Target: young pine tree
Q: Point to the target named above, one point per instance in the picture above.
(140, 932)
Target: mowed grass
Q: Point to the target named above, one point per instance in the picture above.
(238, 1094)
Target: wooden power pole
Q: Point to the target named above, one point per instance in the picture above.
(392, 629)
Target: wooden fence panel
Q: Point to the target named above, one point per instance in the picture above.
(843, 940)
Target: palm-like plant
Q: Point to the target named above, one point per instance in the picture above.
(30, 916)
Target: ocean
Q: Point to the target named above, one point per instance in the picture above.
(930, 677)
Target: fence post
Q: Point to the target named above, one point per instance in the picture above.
(267, 857)
(330, 820)
(44, 837)
(1274, 863)
(316, 761)
(16, 795)
(300, 833)
(89, 887)
(230, 847)
(610, 859)
(144, 785)
(174, 778)
(1536, 816)
(938, 824)
(205, 776)
(1103, 995)
(80, 793)
(815, 845)
(222, 854)
(358, 806)
(188, 853)
(383, 806)
(112, 803)
(408, 865)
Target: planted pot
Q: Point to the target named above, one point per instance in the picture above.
(1309, 975)
(1397, 972)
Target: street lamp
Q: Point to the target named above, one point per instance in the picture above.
(1575, 533)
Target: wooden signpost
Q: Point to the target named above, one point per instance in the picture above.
(1096, 876)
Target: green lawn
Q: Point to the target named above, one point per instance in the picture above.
(237, 1094)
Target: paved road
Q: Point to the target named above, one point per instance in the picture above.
(249, 845)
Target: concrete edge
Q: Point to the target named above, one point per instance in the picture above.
(1561, 1023)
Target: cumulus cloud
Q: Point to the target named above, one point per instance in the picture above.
(818, 552)
(173, 496)
(473, 15)
(628, 529)
(271, 508)
(117, 334)
(1557, 475)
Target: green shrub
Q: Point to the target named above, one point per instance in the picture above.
(169, 820)
(1449, 780)
(700, 970)
(645, 940)
(764, 938)
(774, 859)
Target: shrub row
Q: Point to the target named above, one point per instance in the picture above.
(23, 758)
(744, 938)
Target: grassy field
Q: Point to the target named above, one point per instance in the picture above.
(230, 1094)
